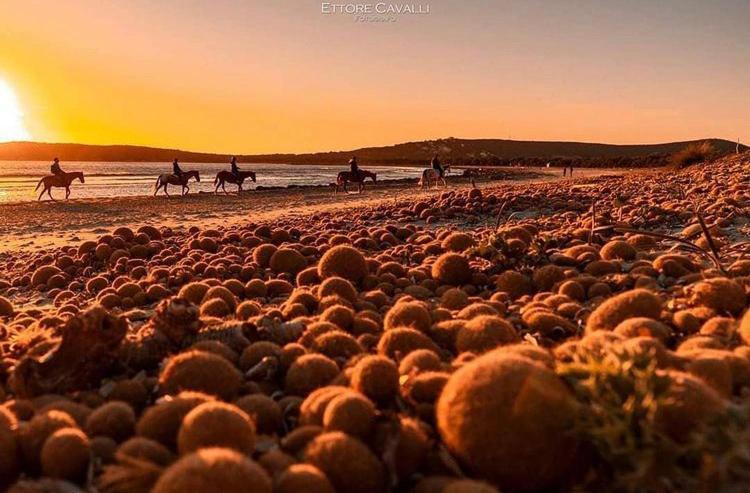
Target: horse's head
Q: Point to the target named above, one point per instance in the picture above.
(197, 176)
(80, 177)
(374, 177)
(252, 176)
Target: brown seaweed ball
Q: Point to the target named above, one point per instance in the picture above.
(247, 309)
(66, 455)
(720, 294)
(351, 413)
(376, 377)
(264, 411)
(633, 303)
(425, 387)
(256, 352)
(549, 324)
(573, 289)
(275, 461)
(202, 372)
(689, 404)
(216, 424)
(452, 269)
(222, 293)
(744, 330)
(339, 315)
(132, 391)
(454, 299)
(361, 472)
(618, 250)
(141, 448)
(546, 277)
(10, 463)
(397, 343)
(78, 412)
(410, 314)
(114, 419)
(218, 348)
(514, 283)
(419, 361)
(314, 406)
(484, 333)
(103, 449)
(162, 421)
(494, 415)
(458, 242)
(214, 470)
(337, 344)
(288, 261)
(256, 288)
(643, 326)
(714, 369)
(193, 292)
(32, 436)
(338, 286)
(343, 261)
(308, 277)
(303, 477)
(262, 254)
(215, 308)
(6, 307)
(310, 372)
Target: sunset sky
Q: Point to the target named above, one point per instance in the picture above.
(247, 76)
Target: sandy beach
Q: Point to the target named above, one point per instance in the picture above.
(35, 225)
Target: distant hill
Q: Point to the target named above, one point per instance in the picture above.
(456, 151)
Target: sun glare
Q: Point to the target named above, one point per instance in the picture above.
(11, 116)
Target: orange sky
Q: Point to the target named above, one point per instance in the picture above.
(245, 76)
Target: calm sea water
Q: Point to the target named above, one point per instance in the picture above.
(18, 178)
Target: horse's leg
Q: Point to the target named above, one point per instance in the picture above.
(67, 192)
(223, 188)
(165, 189)
(49, 192)
(40, 194)
(185, 190)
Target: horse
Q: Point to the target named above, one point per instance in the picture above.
(431, 175)
(169, 179)
(60, 180)
(227, 176)
(346, 177)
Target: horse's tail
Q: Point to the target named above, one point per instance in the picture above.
(39, 184)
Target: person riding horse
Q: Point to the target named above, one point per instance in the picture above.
(353, 167)
(437, 166)
(235, 168)
(176, 170)
(55, 169)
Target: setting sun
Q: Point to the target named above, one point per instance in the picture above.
(11, 117)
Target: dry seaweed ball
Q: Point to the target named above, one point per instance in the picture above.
(419, 361)
(66, 455)
(376, 377)
(10, 463)
(32, 436)
(339, 315)
(411, 314)
(546, 277)
(338, 286)
(643, 326)
(215, 308)
(494, 415)
(202, 372)
(343, 261)
(514, 283)
(633, 303)
(689, 404)
(255, 352)
(549, 324)
(288, 261)
(221, 293)
(351, 413)
(162, 421)
(6, 307)
(361, 472)
(426, 387)
(618, 250)
(114, 419)
(214, 470)
(397, 343)
(247, 309)
(275, 461)
(458, 242)
(337, 344)
(216, 424)
(720, 294)
(141, 448)
(484, 333)
(263, 410)
(193, 292)
(573, 289)
(452, 269)
(310, 372)
(454, 299)
(303, 477)
(262, 254)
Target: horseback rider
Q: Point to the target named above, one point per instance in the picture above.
(55, 168)
(176, 170)
(235, 169)
(437, 166)
(353, 167)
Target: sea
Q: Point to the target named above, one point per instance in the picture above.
(19, 178)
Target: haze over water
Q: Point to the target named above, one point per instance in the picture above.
(18, 178)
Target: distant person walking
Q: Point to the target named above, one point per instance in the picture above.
(176, 169)
(437, 166)
(235, 168)
(55, 169)
(354, 167)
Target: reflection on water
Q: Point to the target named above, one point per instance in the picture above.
(18, 178)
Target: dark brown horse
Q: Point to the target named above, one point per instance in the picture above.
(229, 177)
(60, 180)
(346, 177)
(169, 179)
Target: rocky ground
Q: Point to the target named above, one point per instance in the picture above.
(584, 335)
